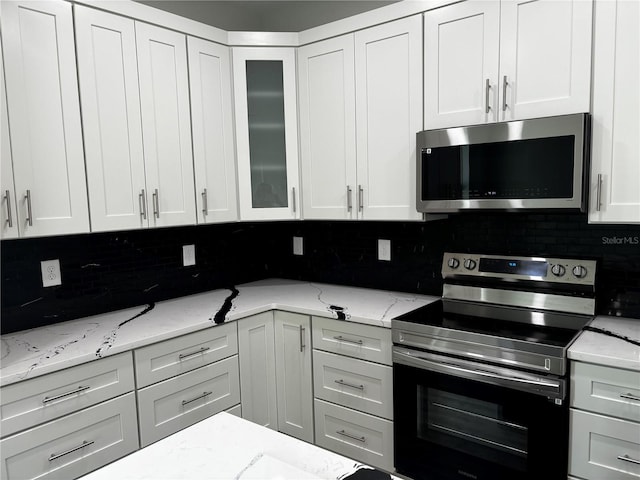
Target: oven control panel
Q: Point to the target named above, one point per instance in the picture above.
(556, 270)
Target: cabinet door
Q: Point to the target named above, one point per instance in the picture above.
(266, 133)
(461, 45)
(327, 129)
(213, 148)
(388, 116)
(9, 225)
(545, 58)
(615, 164)
(108, 74)
(258, 370)
(294, 377)
(42, 99)
(166, 125)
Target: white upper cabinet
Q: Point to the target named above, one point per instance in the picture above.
(44, 113)
(108, 73)
(615, 157)
(212, 124)
(9, 227)
(166, 125)
(266, 133)
(545, 58)
(461, 44)
(509, 60)
(388, 116)
(360, 108)
(327, 101)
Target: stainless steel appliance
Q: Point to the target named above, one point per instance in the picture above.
(540, 163)
(480, 377)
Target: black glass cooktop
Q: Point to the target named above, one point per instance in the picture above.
(435, 315)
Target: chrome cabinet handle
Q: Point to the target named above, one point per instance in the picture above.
(504, 93)
(627, 458)
(360, 198)
(486, 96)
(29, 213)
(182, 356)
(350, 435)
(302, 345)
(349, 199)
(156, 204)
(205, 207)
(340, 338)
(54, 456)
(346, 384)
(204, 394)
(7, 198)
(81, 388)
(599, 193)
(630, 396)
(142, 200)
(293, 198)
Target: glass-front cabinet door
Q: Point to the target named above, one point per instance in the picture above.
(266, 133)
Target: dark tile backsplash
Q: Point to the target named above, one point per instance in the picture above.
(109, 271)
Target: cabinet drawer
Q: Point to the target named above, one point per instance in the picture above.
(167, 359)
(73, 445)
(41, 399)
(176, 403)
(352, 339)
(607, 390)
(603, 447)
(362, 437)
(353, 383)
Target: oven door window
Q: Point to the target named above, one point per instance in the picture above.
(475, 427)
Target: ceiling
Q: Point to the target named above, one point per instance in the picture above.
(266, 16)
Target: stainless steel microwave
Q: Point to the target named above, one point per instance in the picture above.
(540, 163)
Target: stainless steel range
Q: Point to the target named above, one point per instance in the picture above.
(480, 377)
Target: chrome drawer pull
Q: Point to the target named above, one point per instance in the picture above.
(55, 456)
(349, 435)
(504, 93)
(302, 345)
(599, 193)
(142, 200)
(156, 203)
(627, 458)
(46, 400)
(182, 356)
(360, 198)
(349, 199)
(487, 87)
(7, 198)
(342, 382)
(340, 338)
(186, 402)
(205, 206)
(630, 396)
(29, 218)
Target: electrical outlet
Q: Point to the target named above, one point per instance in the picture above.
(297, 246)
(384, 250)
(51, 273)
(188, 255)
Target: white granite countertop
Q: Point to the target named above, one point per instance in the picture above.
(603, 349)
(228, 447)
(42, 350)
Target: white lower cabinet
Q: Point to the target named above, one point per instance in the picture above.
(171, 405)
(363, 437)
(74, 445)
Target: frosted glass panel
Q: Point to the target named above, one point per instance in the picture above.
(265, 104)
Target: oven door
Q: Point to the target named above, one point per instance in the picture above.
(455, 419)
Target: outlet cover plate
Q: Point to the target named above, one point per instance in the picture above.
(51, 273)
(298, 246)
(188, 255)
(384, 250)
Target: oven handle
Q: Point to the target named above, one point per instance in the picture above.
(550, 388)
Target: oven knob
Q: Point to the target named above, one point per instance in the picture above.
(558, 270)
(469, 264)
(579, 271)
(453, 263)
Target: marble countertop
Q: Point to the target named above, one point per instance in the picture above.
(42, 350)
(594, 347)
(228, 447)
